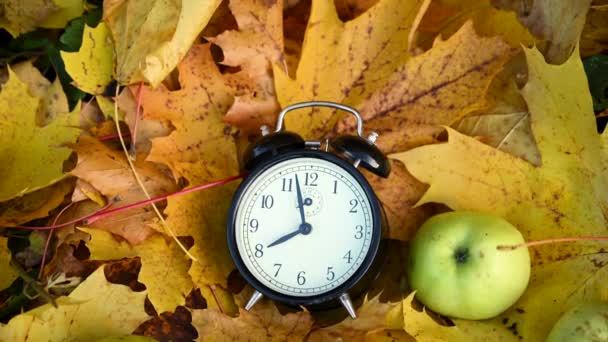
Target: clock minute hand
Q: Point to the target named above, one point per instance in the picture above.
(300, 200)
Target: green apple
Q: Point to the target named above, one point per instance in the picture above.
(456, 269)
(584, 322)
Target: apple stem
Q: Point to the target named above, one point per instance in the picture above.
(550, 241)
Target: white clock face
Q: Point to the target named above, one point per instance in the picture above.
(310, 251)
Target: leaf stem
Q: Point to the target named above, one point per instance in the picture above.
(550, 241)
(65, 224)
(48, 240)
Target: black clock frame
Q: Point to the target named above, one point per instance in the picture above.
(368, 261)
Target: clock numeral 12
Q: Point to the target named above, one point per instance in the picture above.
(311, 178)
(267, 201)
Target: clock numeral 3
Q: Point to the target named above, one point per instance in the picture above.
(347, 257)
(330, 274)
(358, 232)
(253, 224)
(278, 266)
(301, 279)
(267, 201)
(311, 178)
(354, 203)
(287, 184)
(258, 251)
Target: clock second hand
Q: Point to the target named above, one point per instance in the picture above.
(304, 228)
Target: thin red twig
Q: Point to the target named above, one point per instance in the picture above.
(65, 224)
(48, 240)
(549, 241)
(102, 214)
(113, 136)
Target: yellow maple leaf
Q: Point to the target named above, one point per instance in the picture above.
(263, 323)
(200, 149)
(164, 266)
(94, 309)
(36, 204)
(445, 17)
(66, 10)
(566, 196)
(152, 36)
(31, 156)
(8, 273)
(92, 66)
(594, 37)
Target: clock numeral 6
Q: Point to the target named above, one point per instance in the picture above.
(267, 201)
(358, 232)
(354, 203)
(258, 251)
(253, 224)
(330, 274)
(301, 279)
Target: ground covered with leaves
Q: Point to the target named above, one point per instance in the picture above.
(493, 106)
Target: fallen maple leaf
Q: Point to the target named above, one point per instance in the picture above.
(263, 323)
(31, 156)
(370, 316)
(594, 38)
(200, 149)
(8, 273)
(92, 66)
(108, 171)
(557, 23)
(164, 266)
(444, 17)
(94, 309)
(152, 36)
(257, 44)
(18, 16)
(566, 196)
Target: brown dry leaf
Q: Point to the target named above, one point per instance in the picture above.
(262, 323)
(370, 316)
(506, 124)
(18, 16)
(555, 22)
(34, 205)
(84, 191)
(594, 38)
(200, 149)
(152, 36)
(257, 44)
(107, 170)
(444, 17)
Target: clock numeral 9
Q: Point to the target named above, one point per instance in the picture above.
(311, 178)
(258, 251)
(358, 232)
(267, 201)
(354, 203)
(301, 279)
(253, 224)
(330, 274)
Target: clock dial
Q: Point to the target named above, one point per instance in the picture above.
(303, 226)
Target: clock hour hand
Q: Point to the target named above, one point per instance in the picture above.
(302, 229)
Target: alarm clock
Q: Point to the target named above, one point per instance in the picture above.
(304, 226)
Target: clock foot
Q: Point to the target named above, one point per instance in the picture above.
(255, 297)
(348, 305)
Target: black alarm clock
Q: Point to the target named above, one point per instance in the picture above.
(304, 226)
